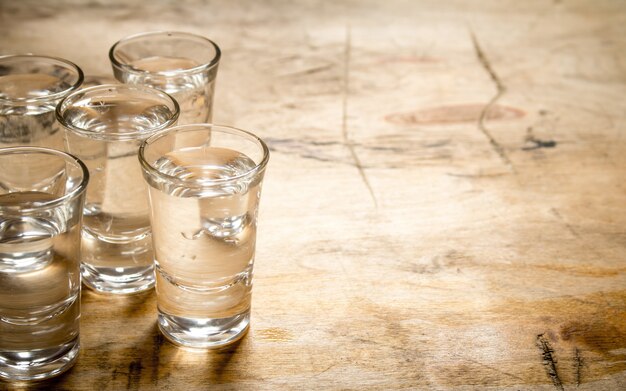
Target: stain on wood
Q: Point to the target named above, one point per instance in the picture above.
(603, 336)
(580, 335)
(134, 375)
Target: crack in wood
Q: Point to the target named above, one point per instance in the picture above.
(500, 89)
(344, 118)
(549, 361)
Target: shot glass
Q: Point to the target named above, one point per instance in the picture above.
(183, 65)
(204, 185)
(104, 126)
(41, 201)
(30, 88)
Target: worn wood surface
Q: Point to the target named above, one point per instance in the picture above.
(444, 205)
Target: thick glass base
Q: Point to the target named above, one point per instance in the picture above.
(118, 280)
(117, 265)
(38, 364)
(204, 332)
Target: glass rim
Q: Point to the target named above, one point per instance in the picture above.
(50, 97)
(203, 183)
(65, 103)
(197, 69)
(80, 188)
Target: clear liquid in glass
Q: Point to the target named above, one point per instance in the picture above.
(204, 241)
(193, 91)
(31, 124)
(117, 252)
(39, 291)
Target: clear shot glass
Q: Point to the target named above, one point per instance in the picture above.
(41, 201)
(30, 88)
(104, 126)
(183, 65)
(205, 186)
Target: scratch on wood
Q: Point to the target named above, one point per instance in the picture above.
(494, 369)
(549, 361)
(567, 225)
(308, 71)
(313, 149)
(325, 370)
(539, 144)
(500, 89)
(479, 175)
(578, 361)
(534, 143)
(344, 119)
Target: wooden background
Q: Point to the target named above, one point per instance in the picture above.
(444, 206)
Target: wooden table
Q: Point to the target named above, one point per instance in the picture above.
(444, 206)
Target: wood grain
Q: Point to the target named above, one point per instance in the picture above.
(444, 204)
